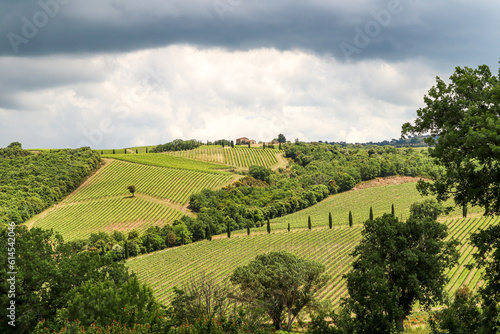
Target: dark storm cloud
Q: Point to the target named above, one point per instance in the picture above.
(358, 29)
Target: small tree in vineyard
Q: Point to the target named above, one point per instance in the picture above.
(350, 219)
(309, 224)
(330, 220)
(371, 213)
(131, 188)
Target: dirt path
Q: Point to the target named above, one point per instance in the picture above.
(282, 163)
(166, 202)
(386, 181)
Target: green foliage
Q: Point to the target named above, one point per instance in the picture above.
(330, 220)
(396, 264)
(487, 256)
(462, 118)
(176, 145)
(47, 271)
(463, 316)
(281, 284)
(428, 208)
(268, 227)
(309, 224)
(350, 219)
(260, 173)
(103, 302)
(371, 213)
(131, 188)
(31, 182)
(281, 138)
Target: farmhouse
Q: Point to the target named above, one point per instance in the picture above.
(245, 140)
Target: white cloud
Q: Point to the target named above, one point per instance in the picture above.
(157, 95)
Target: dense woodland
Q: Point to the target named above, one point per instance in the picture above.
(30, 182)
(176, 145)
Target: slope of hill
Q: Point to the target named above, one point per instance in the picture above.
(104, 203)
(218, 258)
(238, 156)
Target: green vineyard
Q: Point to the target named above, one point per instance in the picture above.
(218, 258)
(167, 160)
(359, 202)
(172, 184)
(238, 156)
(79, 220)
(161, 197)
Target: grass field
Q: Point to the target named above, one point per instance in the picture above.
(105, 203)
(167, 160)
(238, 156)
(218, 258)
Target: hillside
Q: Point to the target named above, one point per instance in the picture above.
(218, 258)
(106, 204)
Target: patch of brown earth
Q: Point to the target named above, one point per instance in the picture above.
(386, 181)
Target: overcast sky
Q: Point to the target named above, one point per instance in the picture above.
(126, 73)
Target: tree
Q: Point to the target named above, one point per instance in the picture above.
(248, 144)
(248, 229)
(16, 145)
(146, 149)
(208, 233)
(127, 254)
(330, 220)
(281, 284)
(114, 152)
(228, 226)
(393, 212)
(350, 218)
(232, 143)
(288, 227)
(268, 226)
(264, 145)
(462, 119)
(281, 138)
(427, 208)
(464, 211)
(487, 257)
(136, 151)
(309, 224)
(124, 151)
(371, 213)
(131, 188)
(396, 264)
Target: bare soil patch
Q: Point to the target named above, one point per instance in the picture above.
(386, 181)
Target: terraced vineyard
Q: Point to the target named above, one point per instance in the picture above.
(238, 156)
(168, 160)
(78, 220)
(359, 202)
(171, 184)
(104, 201)
(218, 258)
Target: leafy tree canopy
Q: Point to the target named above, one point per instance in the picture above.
(397, 263)
(281, 284)
(463, 119)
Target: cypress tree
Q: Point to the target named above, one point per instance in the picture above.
(248, 229)
(350, 219)
(330, 220)
(223, 144)
(146, 149)
(126, 249)
(232, 143)
(371, 213)
(136, 151)
(263, 145)
(114, 151)
(209, 233)
(248, 144)
(288, 227)
(124, 151)
(102, 152)
(268, 226)
(228, 228)
(309, 224)
(392, 211)
(464, 211)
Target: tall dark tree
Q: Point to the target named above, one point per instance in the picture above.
(288, 227)
(462, 119)
(397, 264)
(208, 233)
(146, 149)
(350, 219)
(464, 211)
(393, 212)
(114, 151)
(228, 226)
(309, 223)
(371, 213)
(136, 151)
(268, 226)
(232, 143)
(248, 144)
(264, 145)
(248, 229)
(131, 188)
(281, 138)
(330, 220)
(124, 151)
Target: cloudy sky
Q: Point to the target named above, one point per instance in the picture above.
(123, 73)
